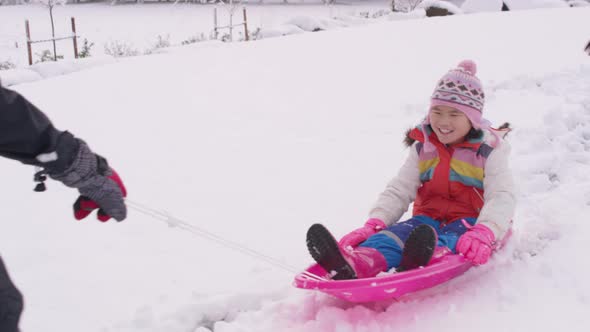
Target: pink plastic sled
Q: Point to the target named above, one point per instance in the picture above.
(386, 286)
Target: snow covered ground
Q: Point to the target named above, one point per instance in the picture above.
(256, 141)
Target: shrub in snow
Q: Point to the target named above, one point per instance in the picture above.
(418, 13)
(225, 37)
(194, 39)
(255, 35)
(404, 5)
(364, 14)
(377, 14)
(162, 42)
(7, 64)
(85, 52)
(46, 55)
(380, 13)
(120, 49)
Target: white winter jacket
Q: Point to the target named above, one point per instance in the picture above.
(498, 187)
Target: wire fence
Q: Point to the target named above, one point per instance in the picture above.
(74, 37)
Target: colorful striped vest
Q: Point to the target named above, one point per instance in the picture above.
(451, 176)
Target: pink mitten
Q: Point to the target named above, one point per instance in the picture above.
(476, 244)
(357, 236)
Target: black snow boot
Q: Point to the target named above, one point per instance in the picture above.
(418, 248)
(324, 249)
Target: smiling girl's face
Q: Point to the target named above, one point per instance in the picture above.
(449, 124)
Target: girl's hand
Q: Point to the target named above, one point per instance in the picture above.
(476, 244)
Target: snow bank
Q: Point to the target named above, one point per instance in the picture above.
(308, 23)
(282, 30)
(534, 4)
(49, 69)
(314, 24)
(400, 16)
(18, 76)
(301, 24)
(475, 6)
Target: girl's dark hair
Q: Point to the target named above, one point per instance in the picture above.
(408, 141)
(474, 133)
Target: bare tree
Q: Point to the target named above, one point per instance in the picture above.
(404, 5)
(50, 4)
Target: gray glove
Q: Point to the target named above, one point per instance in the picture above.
(99, 185)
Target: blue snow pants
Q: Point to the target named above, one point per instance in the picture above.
(390, 241)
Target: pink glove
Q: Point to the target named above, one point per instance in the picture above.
(476, 244)
(357, 236)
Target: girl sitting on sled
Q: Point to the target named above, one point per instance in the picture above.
(458, 177)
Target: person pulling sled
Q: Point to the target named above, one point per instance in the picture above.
(27, 135)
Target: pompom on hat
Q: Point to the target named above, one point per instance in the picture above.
(460, 89)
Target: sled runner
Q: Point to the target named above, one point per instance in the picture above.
(386, 285)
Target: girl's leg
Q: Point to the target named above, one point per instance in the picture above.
(390, 241)
(11, 302)
(450, 234)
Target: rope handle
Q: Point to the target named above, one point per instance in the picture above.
(176, 222)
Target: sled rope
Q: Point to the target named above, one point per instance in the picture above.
(176, 222)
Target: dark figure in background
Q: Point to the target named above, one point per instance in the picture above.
(27, 135)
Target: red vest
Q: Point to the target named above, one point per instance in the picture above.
(452, 178)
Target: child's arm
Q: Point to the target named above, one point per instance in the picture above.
(400, 191)
(499, 197)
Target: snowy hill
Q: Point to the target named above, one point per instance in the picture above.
(256, 141)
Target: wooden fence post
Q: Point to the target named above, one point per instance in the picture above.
(75, 38)
(215, 23)
(231, 23)
(247, 37)
(30, 52)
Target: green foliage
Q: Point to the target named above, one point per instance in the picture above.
(86, 47)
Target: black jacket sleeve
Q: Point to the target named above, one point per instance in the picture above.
(26, 133)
